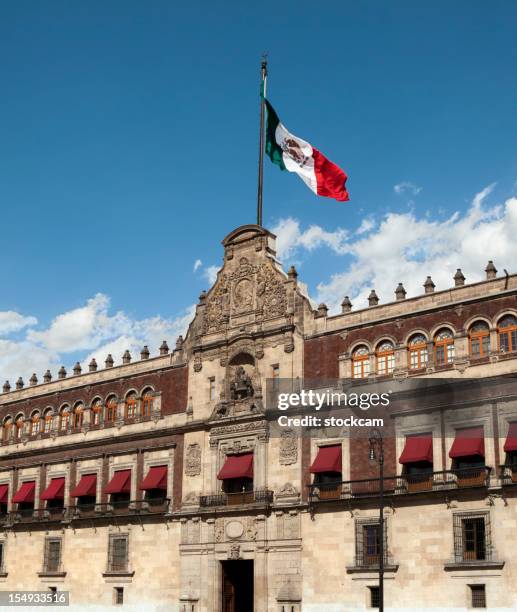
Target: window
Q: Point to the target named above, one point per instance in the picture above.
(35, 424)
(471, 537)
(444, 347)
(375, 599)
(360, 362)
(130, 406)
(64, 418)
(479, 339)
(52, 556)
(211, 388)
(96, 412)
(47, 421)
(2, 556)
(385, 358)
(417, 349)
(77, 418)
(20, 423)
(6, 429)
(147, 403)
(477, 595)
(368, 543)
(118, 553)
(111, 410)
(507, 334)
(119, 596)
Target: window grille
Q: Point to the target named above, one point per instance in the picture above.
(119, 595)
(2, 556)
(52, 557)
(472, 540)
(375, 599)
(478, 595)
(367, 543)
(118, 553)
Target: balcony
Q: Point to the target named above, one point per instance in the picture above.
(508, 474)
(401, 485)
(259, 497)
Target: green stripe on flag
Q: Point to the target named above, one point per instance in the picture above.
(273, 151)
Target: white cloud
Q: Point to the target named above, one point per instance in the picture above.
(367, 224)
(290, 238)
(197, 264)
(407, 187)
(11, 321)
(92, 329)
(210, 273)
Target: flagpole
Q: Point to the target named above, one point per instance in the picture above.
(263, 72)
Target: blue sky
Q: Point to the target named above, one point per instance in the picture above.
(128, 150)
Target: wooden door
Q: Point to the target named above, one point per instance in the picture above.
(228, 593)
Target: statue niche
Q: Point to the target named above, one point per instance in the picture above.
(241, 386)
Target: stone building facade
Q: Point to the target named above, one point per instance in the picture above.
(158, 483)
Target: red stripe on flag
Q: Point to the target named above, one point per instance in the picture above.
(330, 178)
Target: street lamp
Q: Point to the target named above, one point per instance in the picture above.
(377, 454)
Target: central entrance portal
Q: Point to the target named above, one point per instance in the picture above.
(237, 586)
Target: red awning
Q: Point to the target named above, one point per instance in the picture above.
(237, 466)
(86, 486)
(156, 478)
(25, 493)
(511, 439)
(468, 442)
(120, 483)
(328, 459)
(417, 448)
(4, 491)
(55, 490)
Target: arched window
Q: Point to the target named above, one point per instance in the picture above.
(147, 403)
(35, 425)
(385, 358)
(77, 417)
(111, 409)
(130, 406)
(507, 334)
(20, 423)
(64, 418)
(360, 362)
(47, 420)
(479, 339)
(444, 347)
(96, 412)
(417, 349)
(6, 428)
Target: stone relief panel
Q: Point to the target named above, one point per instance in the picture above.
(193, 460)
(288, 447)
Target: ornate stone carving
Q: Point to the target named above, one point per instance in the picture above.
(251, 530)
(198, 364)
(238, 428)
(288, 447)
(193, 460)
(234, 529)
(241, 386)
(235, 552)
(242, 298)
(271, 294)
(217, 309)
(219, 530)
(287, 490)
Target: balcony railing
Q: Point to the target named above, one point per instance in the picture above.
(129, 508)
(261, 496)
(400, 485)
(508, 474)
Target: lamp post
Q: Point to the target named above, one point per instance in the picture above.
(377, 454)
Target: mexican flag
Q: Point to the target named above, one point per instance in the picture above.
(295, 155)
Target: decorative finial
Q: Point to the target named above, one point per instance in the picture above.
(202, 297)
(19, 383)
(47, 377)
(373, 298)
(144, 353)
(33, 380)
(92, 366)
(164, 348)
(126, 357)
(459, 278)
(7, 387)
(77, 368)
(400, 292)
(108, 363)
(491, 270)
(292, 274)
(322, 310)
(62, 372)
(429, 285)
(179, 343)
(346, 304)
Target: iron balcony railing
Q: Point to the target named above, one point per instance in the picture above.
(508, 474)
(136, 507)
(400, 485)
(260, 496)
